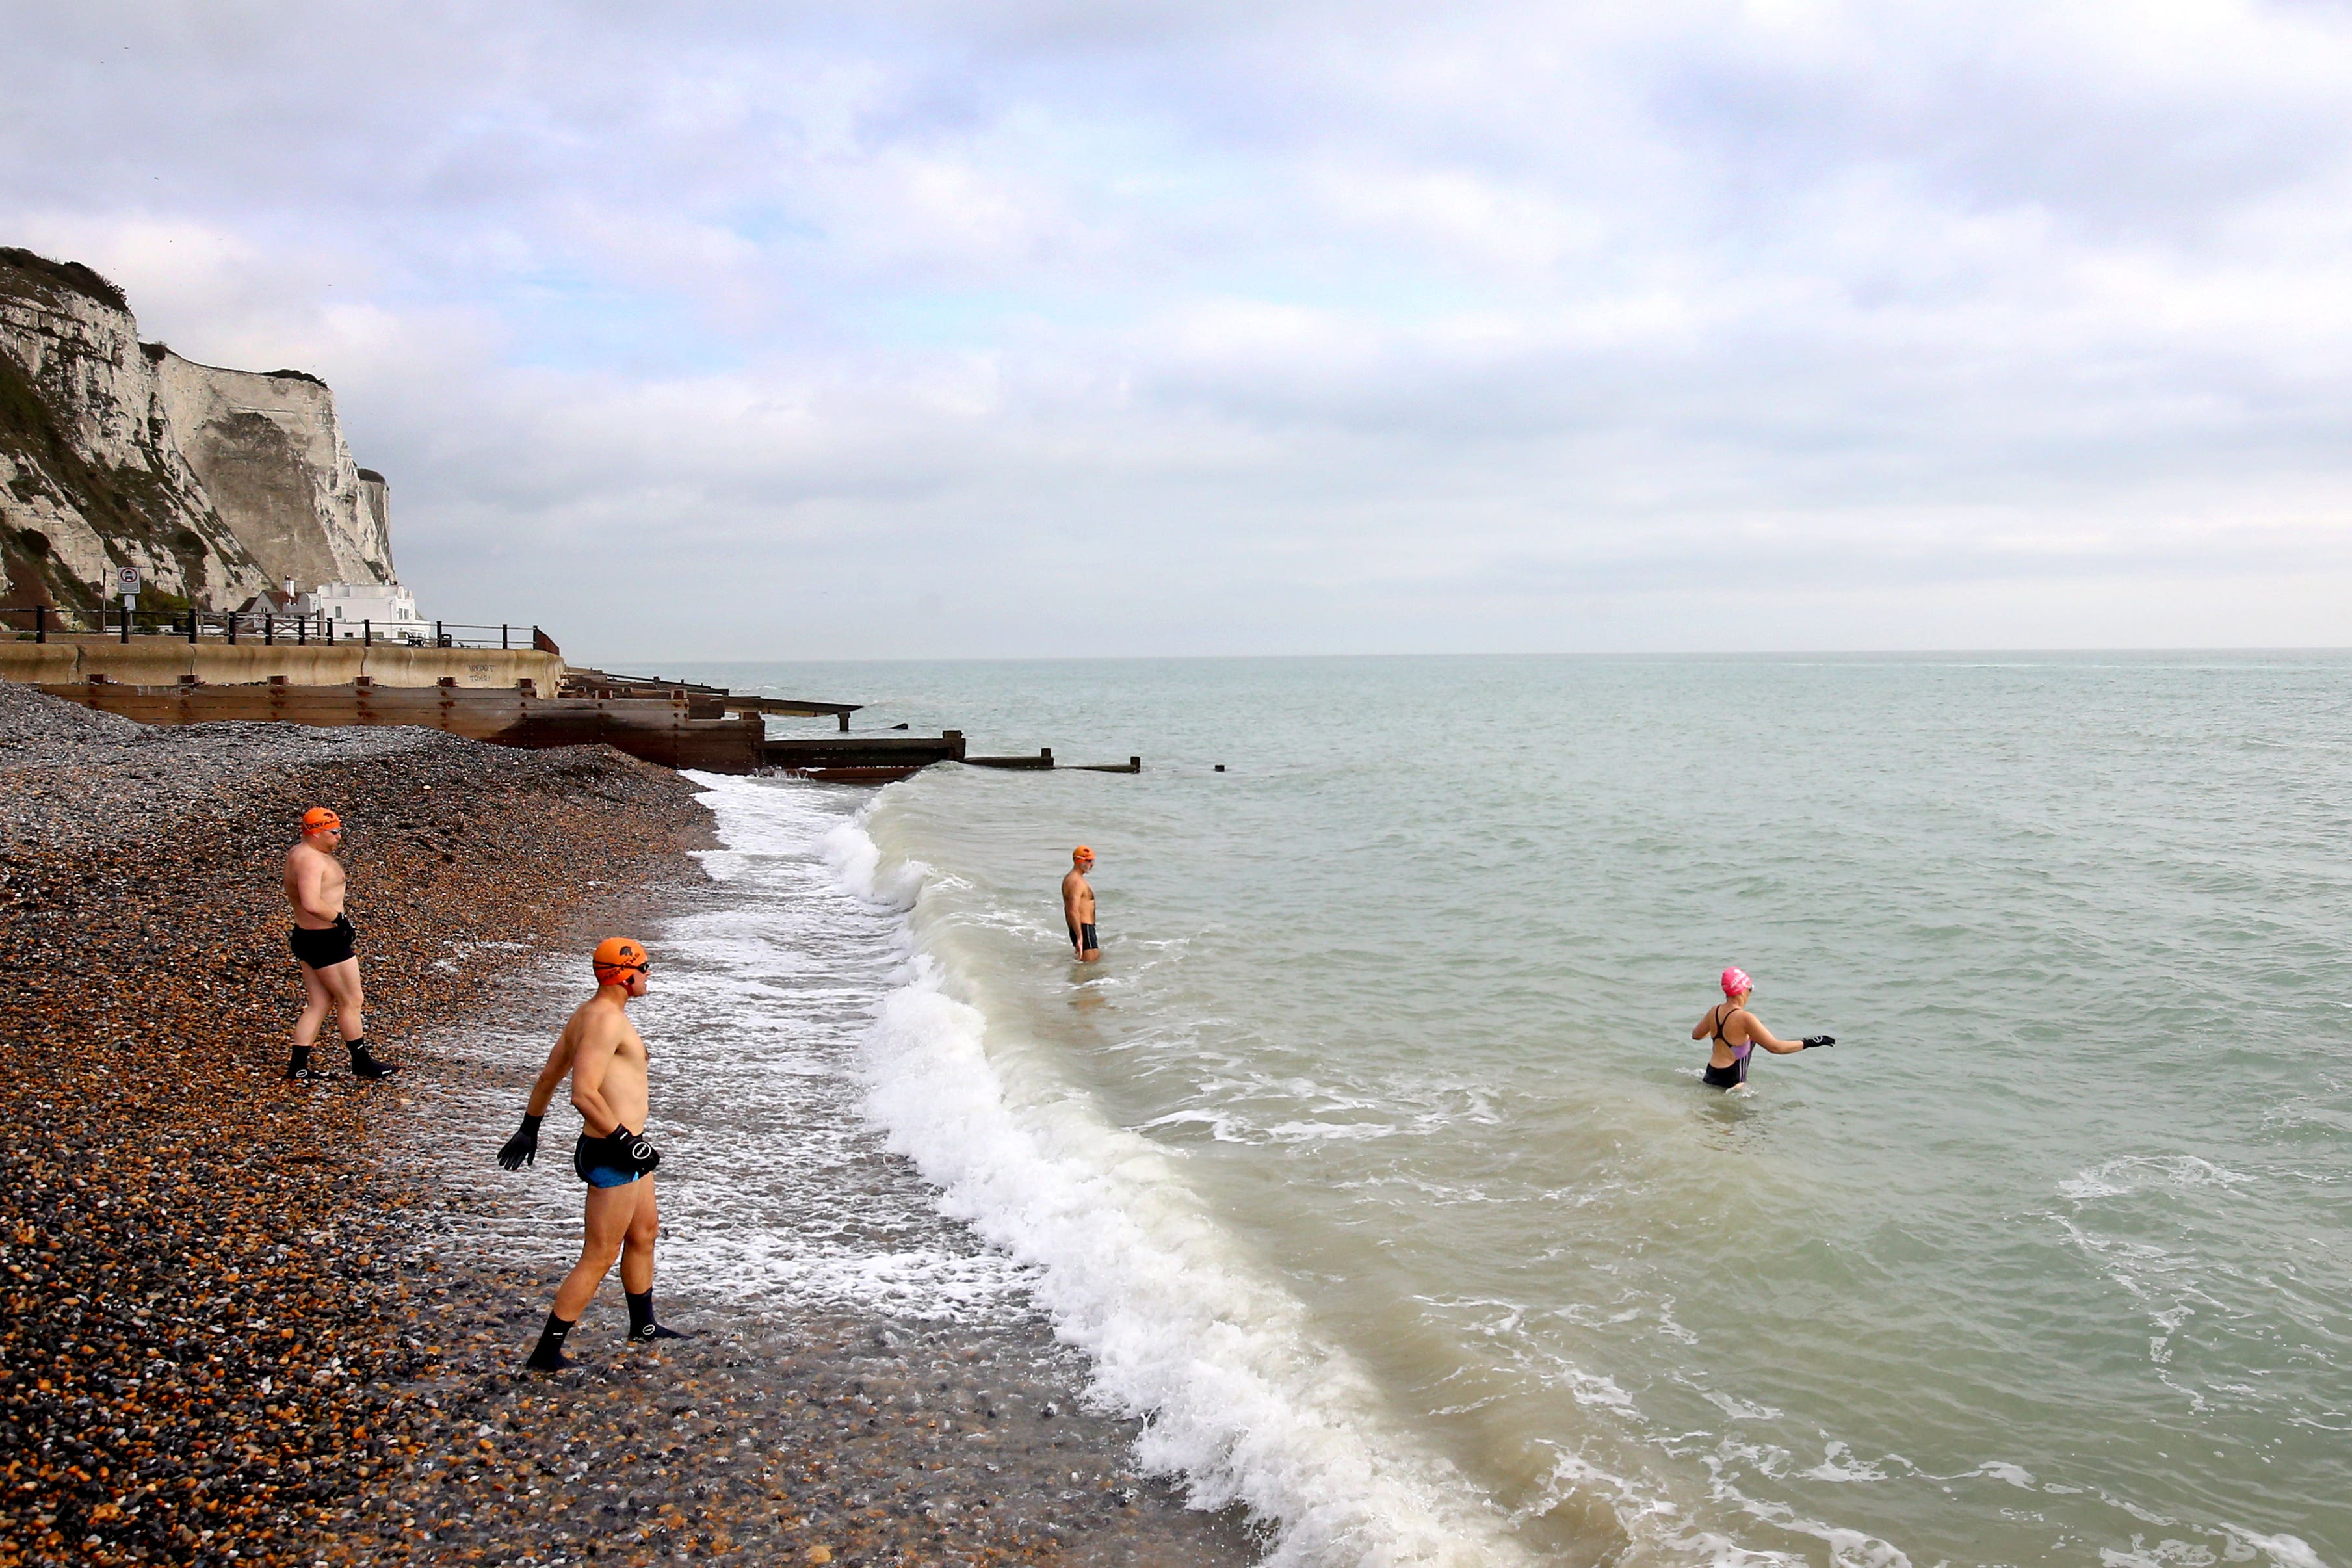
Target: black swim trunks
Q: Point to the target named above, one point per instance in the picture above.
(324, 949)
(1082, 938)
(608, 1162)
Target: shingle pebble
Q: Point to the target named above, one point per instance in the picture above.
(240, 1328)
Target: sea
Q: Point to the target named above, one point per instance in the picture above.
(1372, 1169)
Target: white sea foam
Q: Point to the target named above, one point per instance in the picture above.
(775, 1184)
(2017, 1476)
(2285, 1550)
(1839, 1464)
(2133, 1172)
(1241, 1397)
(856, 860)
(1741, 1409)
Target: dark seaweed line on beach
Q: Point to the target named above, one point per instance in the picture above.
(243, 1326)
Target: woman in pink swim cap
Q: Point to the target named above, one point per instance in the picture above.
(1736, 1031)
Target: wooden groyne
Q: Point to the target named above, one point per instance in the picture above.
(581, 682)
(862, 759)
(686, 729)
(1044, 762)
(671, 732)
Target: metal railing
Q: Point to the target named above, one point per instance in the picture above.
(231, 626)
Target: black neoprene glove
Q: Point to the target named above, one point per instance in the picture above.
(523, 1149)
(1821, 1039)
(636, 1149)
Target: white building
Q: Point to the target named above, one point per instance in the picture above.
(380, 610)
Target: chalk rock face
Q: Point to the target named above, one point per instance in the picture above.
(91, 475)
(217, 484)
(271, 453)
(375, 512)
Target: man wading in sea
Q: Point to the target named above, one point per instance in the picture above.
(1078, 905)
(605, 1057)
(323, 943)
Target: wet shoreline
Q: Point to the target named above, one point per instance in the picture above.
(257, 1322)
(857, 1429)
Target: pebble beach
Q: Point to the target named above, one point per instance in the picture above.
(254, 1322)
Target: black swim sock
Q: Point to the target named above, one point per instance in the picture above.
(549, 1354)
(365, 1064)
(301, 1068)
(641, 1320)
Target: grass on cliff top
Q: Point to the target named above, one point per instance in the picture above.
(24, 273)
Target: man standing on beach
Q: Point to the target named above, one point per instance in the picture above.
(605, 1058)
(1078, 905)
(323, 943)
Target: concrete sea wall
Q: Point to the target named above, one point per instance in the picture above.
(161, 661)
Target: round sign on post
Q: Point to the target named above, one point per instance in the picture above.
(126, 581)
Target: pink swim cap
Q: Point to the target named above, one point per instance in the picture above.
(1735, 982)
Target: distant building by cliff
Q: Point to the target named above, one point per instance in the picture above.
(355, 610)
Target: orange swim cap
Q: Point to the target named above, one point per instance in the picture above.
(617, 955)
(319, 819)
(1082, 853)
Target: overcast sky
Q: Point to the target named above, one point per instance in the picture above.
(1057, 328)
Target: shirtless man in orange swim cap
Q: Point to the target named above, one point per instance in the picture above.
(605, 1058)
(323, 943)
(1078, 906)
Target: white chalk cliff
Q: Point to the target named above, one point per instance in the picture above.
(271, 455)
(216, 483)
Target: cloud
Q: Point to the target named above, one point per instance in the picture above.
(1152, 328)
